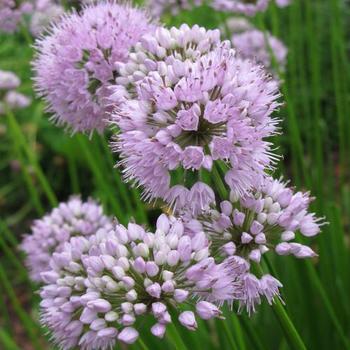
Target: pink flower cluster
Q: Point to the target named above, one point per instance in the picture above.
(75, 64)
(11, 14)
(99, 286)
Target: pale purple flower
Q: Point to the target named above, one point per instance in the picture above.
(263, 48)
(50, 233)
(75, 63)
(99, 286)
(158, 7)
(16, 100)
(46, 13)
(270, 217)
(11, 14)
(8, 80)
(246, 7)
(238, 24)
(217, 109)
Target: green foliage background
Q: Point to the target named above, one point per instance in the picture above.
(40, 165)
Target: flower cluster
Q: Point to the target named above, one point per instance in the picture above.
(11, 14)
(268, 218)
(264, 48)
(76, 63)
(49, 234)
(217, 108)
(98, 287)
(45, 13)
(8, 96)
(246, 7)
(158, 7)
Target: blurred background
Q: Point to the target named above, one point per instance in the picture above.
(40, 165)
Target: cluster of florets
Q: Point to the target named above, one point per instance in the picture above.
(246, 7)
(11, 14)
(268, 218)
(159, 7)
(263, 48)
(192, 114)
(49, 234)
(9, 97)
(45, 13)
(76, 62)
(98, 287)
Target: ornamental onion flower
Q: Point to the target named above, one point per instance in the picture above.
(49, 234)
(175, 47)
(253, 44)
(158, 7)
(217, 109)
(246, 7)
(8, 80)
(99, 286)
(75, 63)
(11, 14)
(270, 217)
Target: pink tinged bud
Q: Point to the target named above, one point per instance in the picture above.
(188, 320)
(255, 255)
(158, 309)
(185, 248)
(163, 223)
(98, 324)
(272, 218)
(238, 218)
(263, 249)
(305, 252)
(180, 295)
(135, 231)
(168, 287)
(99, 305)
(165, 318)
(226, 208)
(283, 249)
(128, 335)
(87, 316)
(207, 162)
(285, 197)
(207, 310)
(309, 228)
(118, 272)
(288, 236)
(163, 137)
(246, 238)
(260, 238)
(109, 332)
(128, 281)
(152, 268)
(256, 227)
(122, 234)
(140, 308)
(111, 316)
(199, 241)
(229, 248)
(224, 222)
(158, 330)
(154, 290)
(126, 307)
(160, 258)
(173, 258)
(139, 265)
(108, 261)
(128, 320)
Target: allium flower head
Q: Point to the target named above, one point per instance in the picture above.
(11, 14)
(16, 100)
(247, 7)
(253, 44)
(8, 80)
(268, 218)
(217, 109)
(100, 286)
(50, 233)
(158, 7)
(175, 48)
(75, 64)
(46, 12)
(282, 3)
